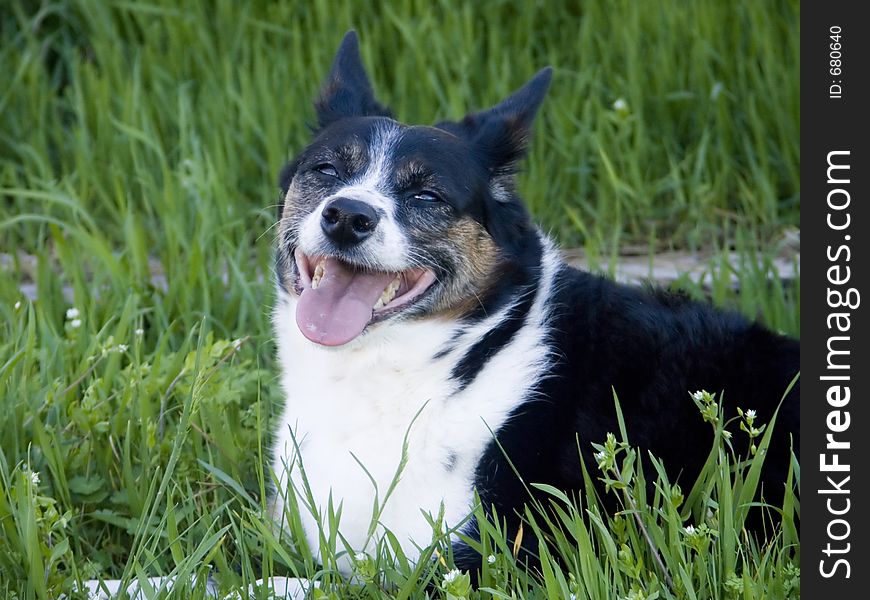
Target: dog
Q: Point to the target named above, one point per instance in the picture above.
(433, 343)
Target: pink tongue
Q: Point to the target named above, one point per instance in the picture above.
(341, 306)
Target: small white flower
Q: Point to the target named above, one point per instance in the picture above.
(75, 323)
(451, 576)
(599, 456)
(690, 530)
(698, 396)
(750, 414)
(360, 556)
(72, 313)
(620, 105)
(237, 343)
(18, 305)
(121, 347)
(491, 559)
(34, 477)
(139, 332)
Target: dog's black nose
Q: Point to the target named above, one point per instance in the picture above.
(348, 222)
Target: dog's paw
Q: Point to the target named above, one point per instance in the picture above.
(279, 588)
(285, 588)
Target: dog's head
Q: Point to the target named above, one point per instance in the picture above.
(379, 220)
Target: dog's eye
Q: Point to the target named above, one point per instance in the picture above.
(427, 196)
(327, 169)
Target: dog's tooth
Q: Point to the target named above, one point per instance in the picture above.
(391, 289)
(388, 294)
(318, 275)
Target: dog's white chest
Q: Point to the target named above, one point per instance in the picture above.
(350, 412)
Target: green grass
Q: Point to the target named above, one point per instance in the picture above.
(144, 135)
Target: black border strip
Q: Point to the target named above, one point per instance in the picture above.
(835, 110)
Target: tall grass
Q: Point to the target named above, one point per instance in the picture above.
(178, 117)
(145, 137)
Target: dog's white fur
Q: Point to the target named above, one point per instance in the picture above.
(349, 409)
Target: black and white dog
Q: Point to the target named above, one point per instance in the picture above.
(420, 311)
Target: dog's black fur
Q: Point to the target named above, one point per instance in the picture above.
(650, 348)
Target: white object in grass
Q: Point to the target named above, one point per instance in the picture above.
(283, 588)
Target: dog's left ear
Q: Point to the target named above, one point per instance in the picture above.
(347, 91)
(500, 137)
(501, 134)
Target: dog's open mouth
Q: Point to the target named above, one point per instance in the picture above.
(339, 300)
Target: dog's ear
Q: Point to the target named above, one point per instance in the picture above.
(500, 137)
(347, 91)
(501, 134)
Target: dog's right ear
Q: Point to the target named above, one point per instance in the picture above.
(347, 91)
